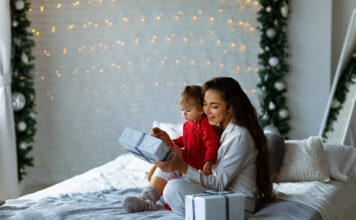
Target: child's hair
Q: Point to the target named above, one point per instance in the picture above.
(192, 95)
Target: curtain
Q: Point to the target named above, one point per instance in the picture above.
(8, 162)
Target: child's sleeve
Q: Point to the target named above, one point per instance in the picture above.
(179, 141)
(211, 140)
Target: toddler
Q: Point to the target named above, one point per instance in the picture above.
(200, 140)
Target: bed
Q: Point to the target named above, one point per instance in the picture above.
(98, 194)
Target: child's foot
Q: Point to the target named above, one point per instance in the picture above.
(145, 202)
(138, 204)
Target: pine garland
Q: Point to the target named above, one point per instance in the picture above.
(348, 76)
(23, 93)
(273, 22)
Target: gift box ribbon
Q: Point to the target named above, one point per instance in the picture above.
(138, 150)
(142, 155)
(212, 192)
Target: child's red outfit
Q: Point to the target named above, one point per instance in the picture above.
(200, 141)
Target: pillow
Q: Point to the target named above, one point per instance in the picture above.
(304, 160)
(341, 161)
(276, 145)
(173, 130)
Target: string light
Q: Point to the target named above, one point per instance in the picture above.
(190, 39)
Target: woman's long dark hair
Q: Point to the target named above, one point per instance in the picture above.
(244, 114)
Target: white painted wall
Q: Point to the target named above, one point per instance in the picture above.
(310, 54)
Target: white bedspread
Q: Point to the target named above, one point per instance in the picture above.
(333, 200)
(126, 171)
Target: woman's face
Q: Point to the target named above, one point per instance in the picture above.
(216, 109)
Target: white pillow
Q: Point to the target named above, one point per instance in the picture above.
(341, 161)
(304, 160)
(173, 130)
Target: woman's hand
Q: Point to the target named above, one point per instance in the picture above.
(159, 133)
(174, 164)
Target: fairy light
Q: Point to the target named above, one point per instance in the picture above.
(218, 42)
(41, 8)
(125, 19)
(229, 21)
(147, 60)
(256, 3)
(195, 17)
(222, 65)
(59, 5)
(64, 50)
(118, 66)
(185, 40)
(243, 48)
(177, 61)
(221, 10)
(200, 11)
(53, 29)
(249, 68)
(168, 39)
(142, 18)
(177, 18)
(70, 27)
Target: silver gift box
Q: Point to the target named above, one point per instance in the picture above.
(144, 146)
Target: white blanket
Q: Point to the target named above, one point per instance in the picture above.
(333, 200)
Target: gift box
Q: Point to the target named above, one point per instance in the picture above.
(144, 146)
(213, 205)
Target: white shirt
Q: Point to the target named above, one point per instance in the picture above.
(235, 168)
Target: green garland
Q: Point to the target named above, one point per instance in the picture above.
(348, 76)
(23, 93)
(273, 22)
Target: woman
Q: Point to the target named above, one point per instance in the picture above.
(243, 163)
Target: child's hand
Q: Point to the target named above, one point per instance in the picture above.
(208, 166)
